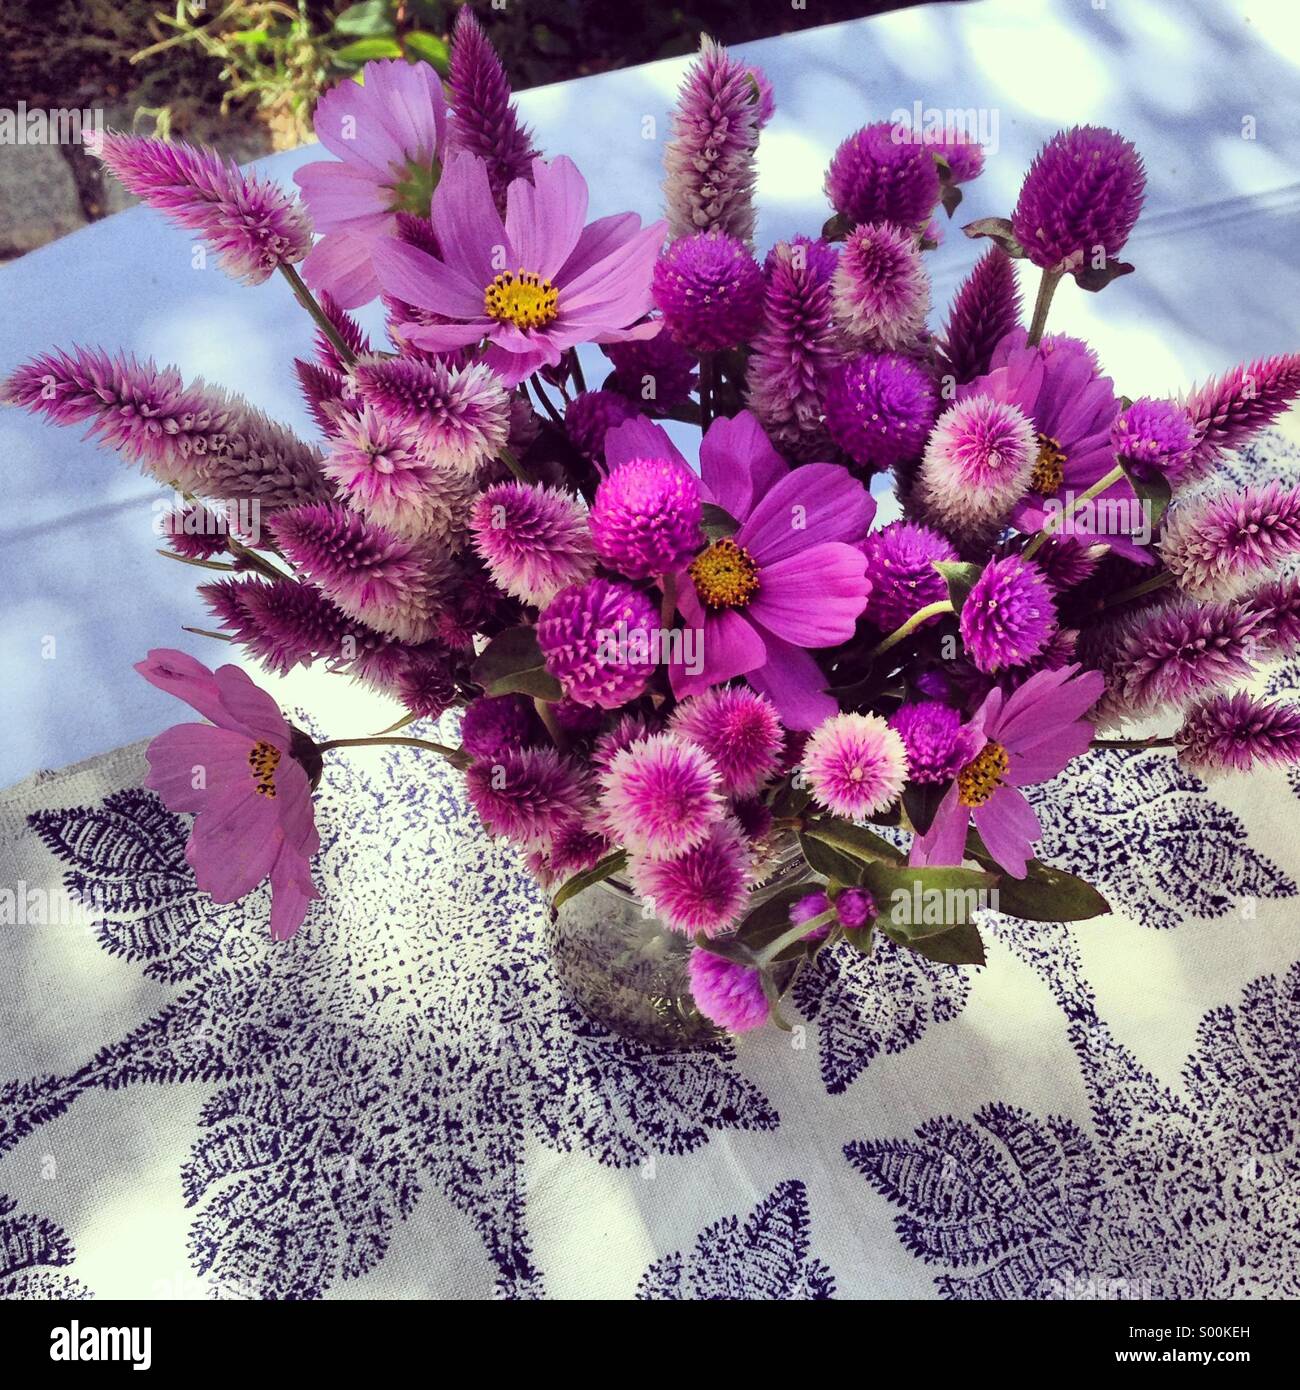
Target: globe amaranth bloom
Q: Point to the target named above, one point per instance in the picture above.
(1155, 439)
(900, 569)
(709, 290)
(527, 794)
(1008, 616)
(876, 177)
(387, 134)
(881, 288)
(880, 407)
(726, 992)
(591, 415)
(739, 729)
(660, 796)
(977, 463)
(1026, 737)
(938, 743)
(532, 286)
(790, 578)
(703, 890)
(253, 801)
(856, 765)
(645, 519)
(1057, 385)
(1080, 198)
(595, 638)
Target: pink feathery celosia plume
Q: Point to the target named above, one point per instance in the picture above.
(1231, 409)
(709, 160)
(196, 436)
(253, 225)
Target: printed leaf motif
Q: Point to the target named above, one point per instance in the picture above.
(32, 1250)
(1175, 1197)
(1146, 832)
(766, 1257)
(868, 1004)
(411, 1035)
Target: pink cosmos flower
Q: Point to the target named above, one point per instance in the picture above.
(1028, 736)
(532, 286)
(238, 773)
(388, 136)
(790, 578)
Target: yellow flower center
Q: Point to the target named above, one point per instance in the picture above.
(523, 298)
(263, 759)
(1049, 467)
(724, 575)
(982, 776)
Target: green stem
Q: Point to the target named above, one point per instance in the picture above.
(1055, 522)
(708, 371)
(547, 715)
(931, 610)
(796, 933)
(308, 301)
(547, 404)
(193, 560)
(668, 608)
(453, 755)
(1147, 586)
(1046, 289)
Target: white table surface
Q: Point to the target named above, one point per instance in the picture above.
(1217, 283)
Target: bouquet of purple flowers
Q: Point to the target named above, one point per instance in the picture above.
(690, 658)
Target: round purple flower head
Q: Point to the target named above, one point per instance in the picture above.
(660, 796)
(875, 177)
(658, 373)
(1156, 438)
(1009, 615)
(645, 519)
(494, 723)
(855, 907)
(626, 730)
(881, 288)
(577, 722)
(703, 890)
(806, 908)
(595, 641)
(977, 463)
(709, 290)
(856, 765)
(591, 415)
(1081, 196)
(938, 744)
(726, 993)
(900, 566)
(880, 407)
(526, 794)
(739, 729)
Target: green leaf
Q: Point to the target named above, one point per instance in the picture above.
(1153, 492)
(716, 523)
(366, 20)
(250, 38)
(950, 198)
(861, 938)
(921, 801)
(364, 50)
(1045, 894)
(729, 949)
(997, 229)
(773, 996)
(789, 799)
(513, 663)
(430, 48)
(570, 888)
(915, 902)
(960, 946)
(830, 862)
(960, 578)
(771, 917)
(854, 840)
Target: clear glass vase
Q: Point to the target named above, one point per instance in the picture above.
(624, 968)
